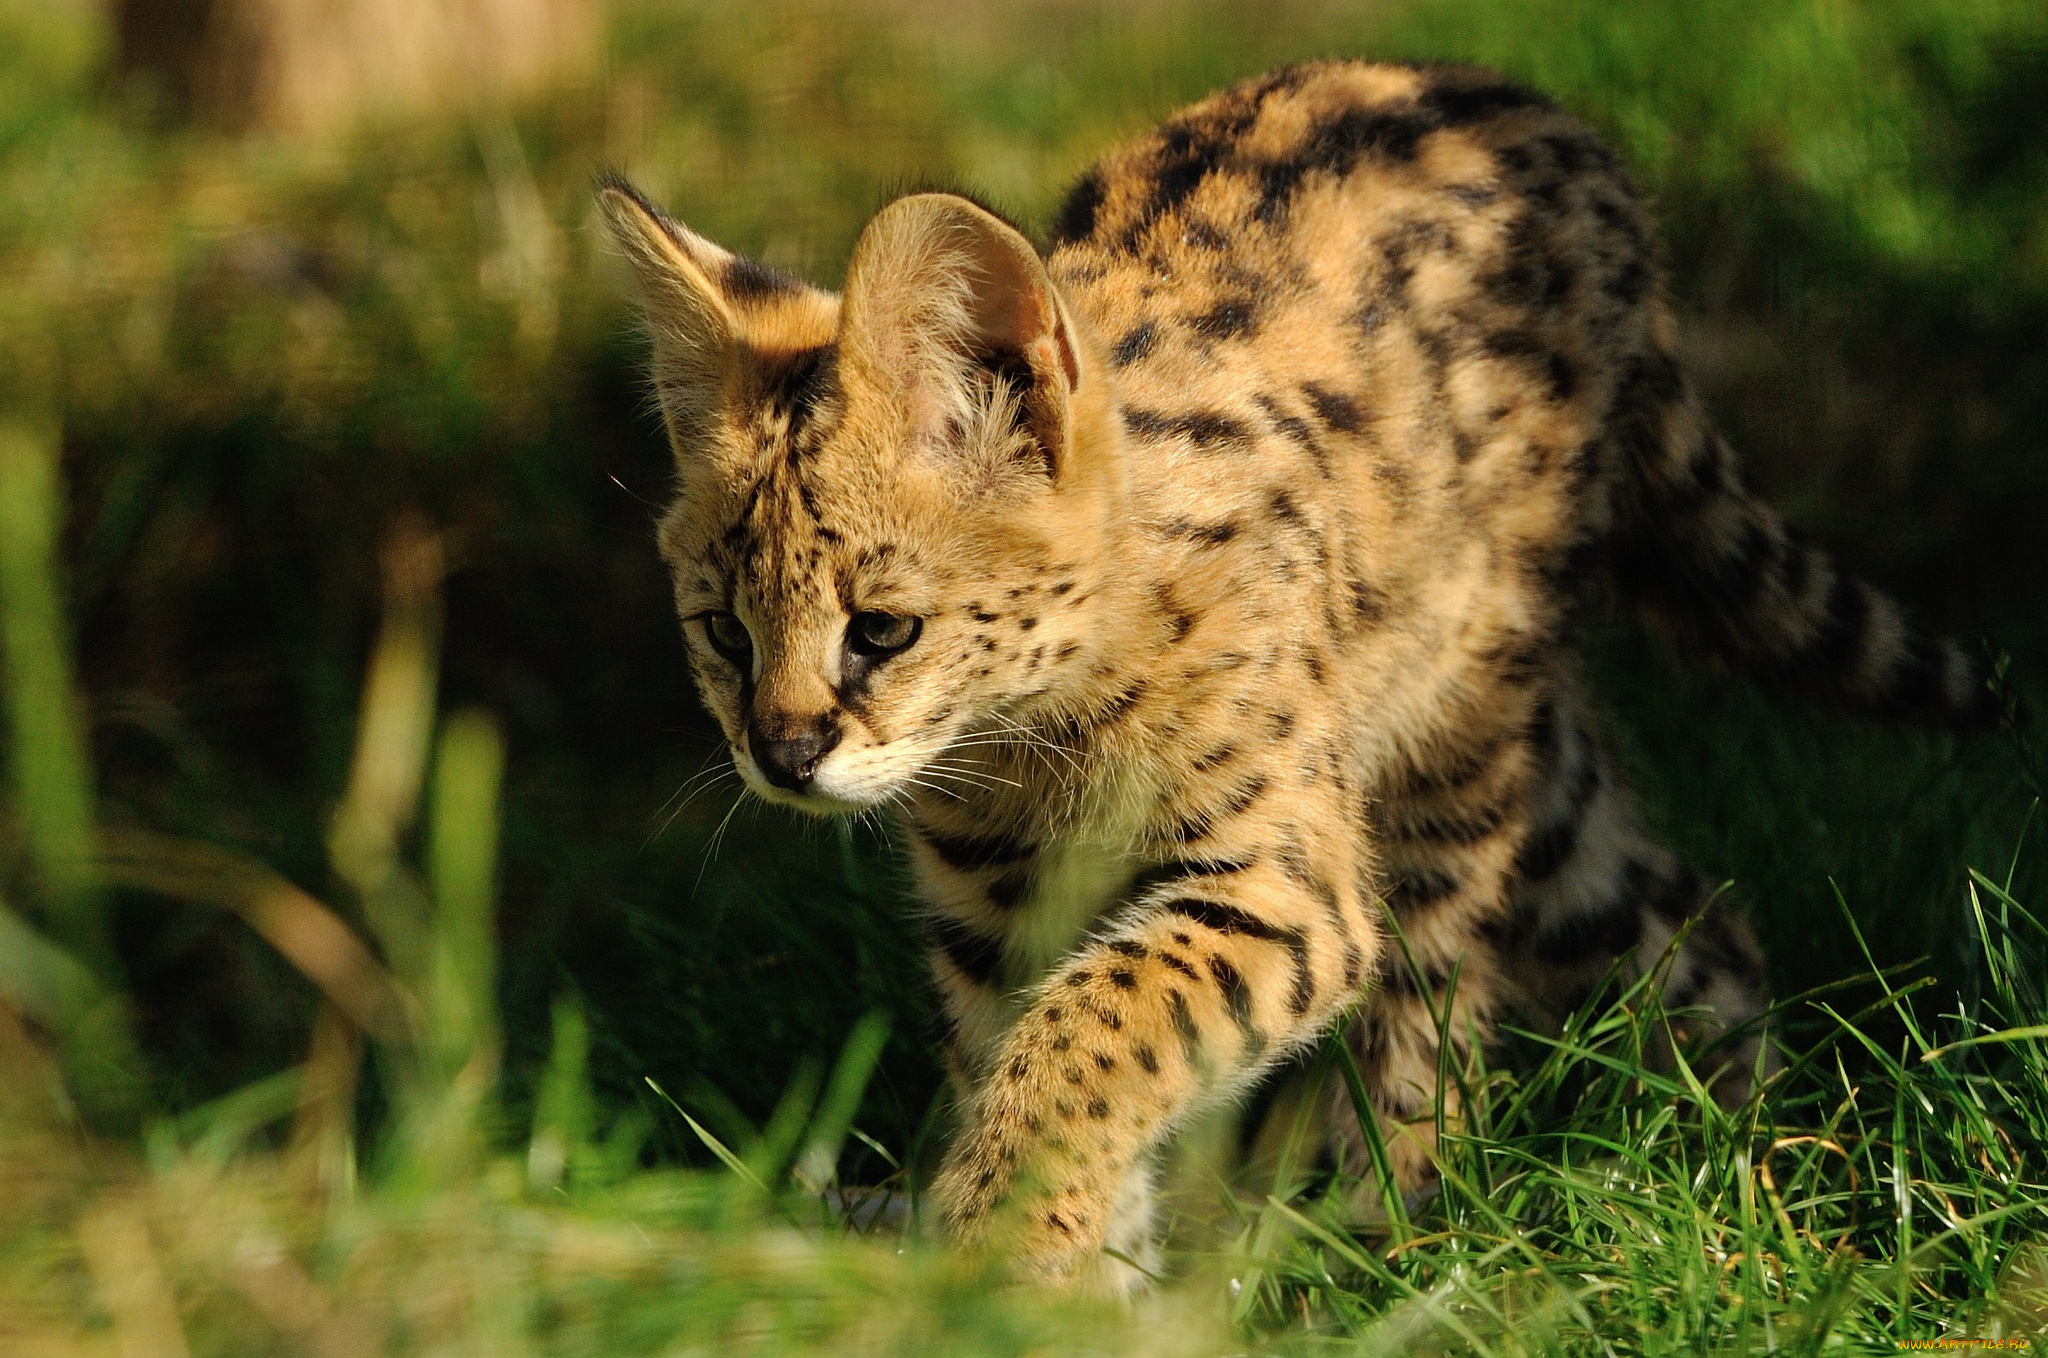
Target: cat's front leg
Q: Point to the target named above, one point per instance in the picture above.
(1191, 993)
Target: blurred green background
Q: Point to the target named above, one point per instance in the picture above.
(280, 304)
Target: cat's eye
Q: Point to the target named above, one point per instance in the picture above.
(729, 637)
(880, 634)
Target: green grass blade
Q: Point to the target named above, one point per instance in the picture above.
(565, 1110)
(462, 863)
(52, 770)
(818, 1164)
(711, 1143)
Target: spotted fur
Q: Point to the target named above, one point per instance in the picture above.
(1237, 536)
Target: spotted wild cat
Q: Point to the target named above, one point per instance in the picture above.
(1200, 588)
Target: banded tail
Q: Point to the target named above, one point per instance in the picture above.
(1694, 549)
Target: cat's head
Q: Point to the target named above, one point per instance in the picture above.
(890, 503)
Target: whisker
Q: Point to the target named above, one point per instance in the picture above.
(717, 836)
(975, 776)
(914, 780)
(673, 816)
(705, 769)
(1015, 735)
(1040, 740)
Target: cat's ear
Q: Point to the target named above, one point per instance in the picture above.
(941, 297)
(676, 272)
(716, 318)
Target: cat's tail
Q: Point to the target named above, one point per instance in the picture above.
(1708, 560)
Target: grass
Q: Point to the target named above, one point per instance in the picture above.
(359, 993)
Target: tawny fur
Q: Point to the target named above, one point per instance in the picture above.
(1242, 530)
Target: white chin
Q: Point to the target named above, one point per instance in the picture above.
(816, 803)
(813, 801)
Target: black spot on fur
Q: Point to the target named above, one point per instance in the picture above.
(1232, 318)
(1563, 375)
(1369, 317)
(795, 394)
(1206, 429)
(1134, 346)
(1229, 919)
(1075, 219)
(1199, 825)
(1629, 283)
(1295, 430)
(1336, 410)
(1122, 705)
(1204, 534)
(1187, 159)
(1368, 605)
(1335, 144)
(1459, 105)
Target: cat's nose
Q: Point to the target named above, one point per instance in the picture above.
(791, 761)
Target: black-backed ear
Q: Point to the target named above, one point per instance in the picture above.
(694, 327)
(941, 291)
(717, 318)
